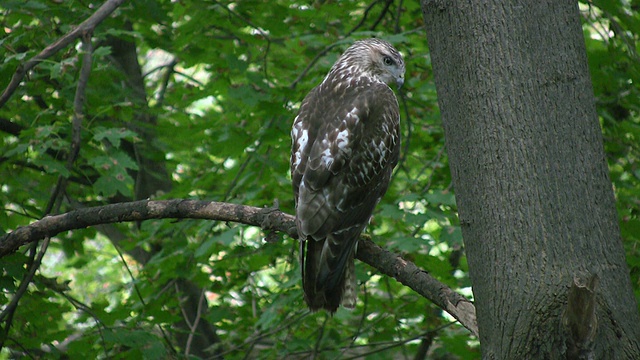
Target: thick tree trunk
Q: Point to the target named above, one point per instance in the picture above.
(535, 202)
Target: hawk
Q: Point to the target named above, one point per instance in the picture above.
(345, 144)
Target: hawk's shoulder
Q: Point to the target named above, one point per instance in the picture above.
(332, 120)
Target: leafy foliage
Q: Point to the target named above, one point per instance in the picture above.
(195, 99)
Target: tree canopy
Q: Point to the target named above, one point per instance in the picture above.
(195, 100)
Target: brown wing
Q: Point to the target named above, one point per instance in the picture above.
(345, 146)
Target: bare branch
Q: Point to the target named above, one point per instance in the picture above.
(165, 82)
(268, 219)
(86, 26)
(143, 210)
(193, 325)
(382, 14)
(420, 281)
(363, 19)
(76, 124)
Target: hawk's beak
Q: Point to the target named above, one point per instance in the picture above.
(399, 82)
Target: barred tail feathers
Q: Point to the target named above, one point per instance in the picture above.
(350, 287)
(328, 271)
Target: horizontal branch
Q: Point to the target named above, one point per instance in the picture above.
(268, 219)
(145, 210)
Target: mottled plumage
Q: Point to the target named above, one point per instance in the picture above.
(345, 144)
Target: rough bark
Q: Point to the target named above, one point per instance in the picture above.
(535, 202)
(268, 219)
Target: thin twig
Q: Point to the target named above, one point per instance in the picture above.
(134, 281)
(193, 327)
(284, 325)
(382, 14)
(262, 33)
(396, 26)
(623, 34)
(76, 123)
(87, 309)
(433, 162)
(7, 314)
(363, 317)
(249, 158)
(188, 77)
(265, 62)
(314, 61)
(394, 344)
(26, 352)
(316, 347)
(165, 336)
(78, 106)
(165, 82)
(405, 148)
(363, 19)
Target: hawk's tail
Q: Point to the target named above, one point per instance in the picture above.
(328, 272)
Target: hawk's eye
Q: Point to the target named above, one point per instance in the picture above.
(388, 61)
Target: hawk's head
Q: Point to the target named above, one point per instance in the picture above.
(374, 58)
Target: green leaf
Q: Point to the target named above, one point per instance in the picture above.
(19, 149)
(113, 182)
(441, 197)
(451, 235)
(227, 237)
(391, 212)
(205, 249)
(102, 51)
(113, 135)
(408, 244)
(51, 166)
(140, 341)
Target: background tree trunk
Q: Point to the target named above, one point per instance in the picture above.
(195, 335)
(535, 201)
